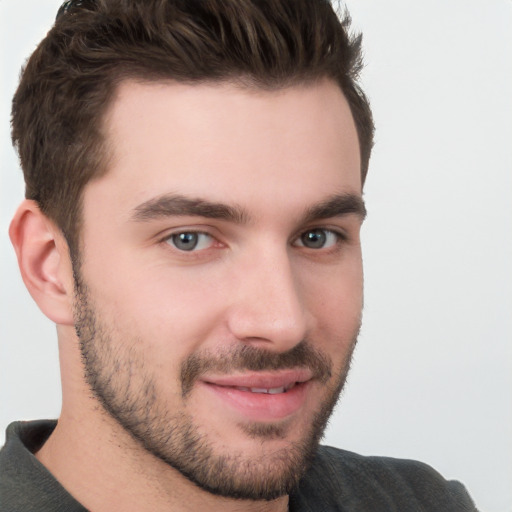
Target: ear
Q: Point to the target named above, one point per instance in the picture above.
(44, 261)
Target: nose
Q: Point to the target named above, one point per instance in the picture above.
(268, 307)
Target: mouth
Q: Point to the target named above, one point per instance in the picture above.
(260, 397)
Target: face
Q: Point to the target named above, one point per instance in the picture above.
(220, 285)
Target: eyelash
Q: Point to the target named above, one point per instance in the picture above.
(339, 238)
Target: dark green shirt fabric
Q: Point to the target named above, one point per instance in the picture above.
(25, 484)
(337, 481)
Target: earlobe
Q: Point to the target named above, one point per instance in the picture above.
(44, 262)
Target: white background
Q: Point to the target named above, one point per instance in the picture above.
(432, 376)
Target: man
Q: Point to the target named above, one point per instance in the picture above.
(194, 176)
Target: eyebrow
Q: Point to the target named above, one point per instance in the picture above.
(178, 205)
(337, 205)
(171, 205)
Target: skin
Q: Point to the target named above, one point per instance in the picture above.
(272, 158)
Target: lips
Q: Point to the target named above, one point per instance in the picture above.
(261, 380)
(262, 397)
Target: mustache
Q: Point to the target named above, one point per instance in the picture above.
(247, 357)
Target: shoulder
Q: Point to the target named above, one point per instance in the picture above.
(344, 480)
(25, 484)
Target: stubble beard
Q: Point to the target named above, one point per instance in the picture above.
(123, 384)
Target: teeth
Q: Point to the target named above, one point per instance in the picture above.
(258, 390)
(275, 391)
(268, 391)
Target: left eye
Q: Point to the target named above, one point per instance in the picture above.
(190, 241)
(318, 239)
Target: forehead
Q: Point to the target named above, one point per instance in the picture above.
(222, 141)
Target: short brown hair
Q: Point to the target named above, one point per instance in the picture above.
(71, 77)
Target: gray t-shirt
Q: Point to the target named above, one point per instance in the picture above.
(337, 481)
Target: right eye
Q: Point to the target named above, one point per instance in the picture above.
(190, 241)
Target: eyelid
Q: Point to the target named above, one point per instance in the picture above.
(337, 230)
(166, 233)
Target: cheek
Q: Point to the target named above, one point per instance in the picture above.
(335, 300)
(172, 311)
